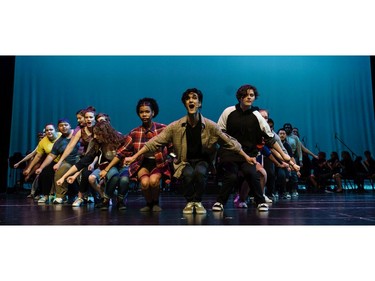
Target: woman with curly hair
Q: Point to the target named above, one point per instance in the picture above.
(101, 149)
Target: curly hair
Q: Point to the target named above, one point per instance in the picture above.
(148, 102)
(108, 133)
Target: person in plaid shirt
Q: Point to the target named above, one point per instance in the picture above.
(151, 167)
(195, 141)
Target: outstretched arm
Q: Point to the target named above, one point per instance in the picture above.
(71, 179)
(292, 163)
(283, 155)
(131, 159)
(71, 171)
(26, 158)
(35, 160)
(50, 157)
(69, 148)
(250, 160)
(114, 162)
(304, 149)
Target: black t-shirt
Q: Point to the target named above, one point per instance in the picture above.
(194, 142)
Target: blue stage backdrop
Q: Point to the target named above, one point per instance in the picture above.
(329, 98)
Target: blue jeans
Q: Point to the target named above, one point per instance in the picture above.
(117, 178)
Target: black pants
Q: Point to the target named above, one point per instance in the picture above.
(46, 179)
(194, 180)
(269, 166)
(230, 177)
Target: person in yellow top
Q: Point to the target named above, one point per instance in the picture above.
(44, 147)
(47, 173)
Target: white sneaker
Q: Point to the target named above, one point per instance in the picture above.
(286, 195)
(199, 209)
(189, 208)
(58, 201)
(267, 199)
(42, 200)
(218, 207)
(78, 202)
(262, 207)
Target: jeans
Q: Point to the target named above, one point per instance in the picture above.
(194, 180)
(119, 179)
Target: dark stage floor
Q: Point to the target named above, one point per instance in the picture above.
(348, 208)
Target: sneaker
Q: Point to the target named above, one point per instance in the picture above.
(268, 200)
(58, 201)
(156, 208)
(105, 204)
(145, 209)
(218, 207)
(286, 195)
(98, 203)
(36, 198)
(262, 207)
(121, 205)
(43, 200)
(189, 208)
(78, 202)
(294, 194)
(199, 209)
(275, 196)
(242, 205)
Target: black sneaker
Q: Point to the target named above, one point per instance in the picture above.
(121, 205)
(105, 204)
(99, 203)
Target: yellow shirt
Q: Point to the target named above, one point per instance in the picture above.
(45, 145)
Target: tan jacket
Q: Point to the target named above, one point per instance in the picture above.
(212, 138)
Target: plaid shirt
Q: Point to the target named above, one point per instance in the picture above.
(136, 139)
